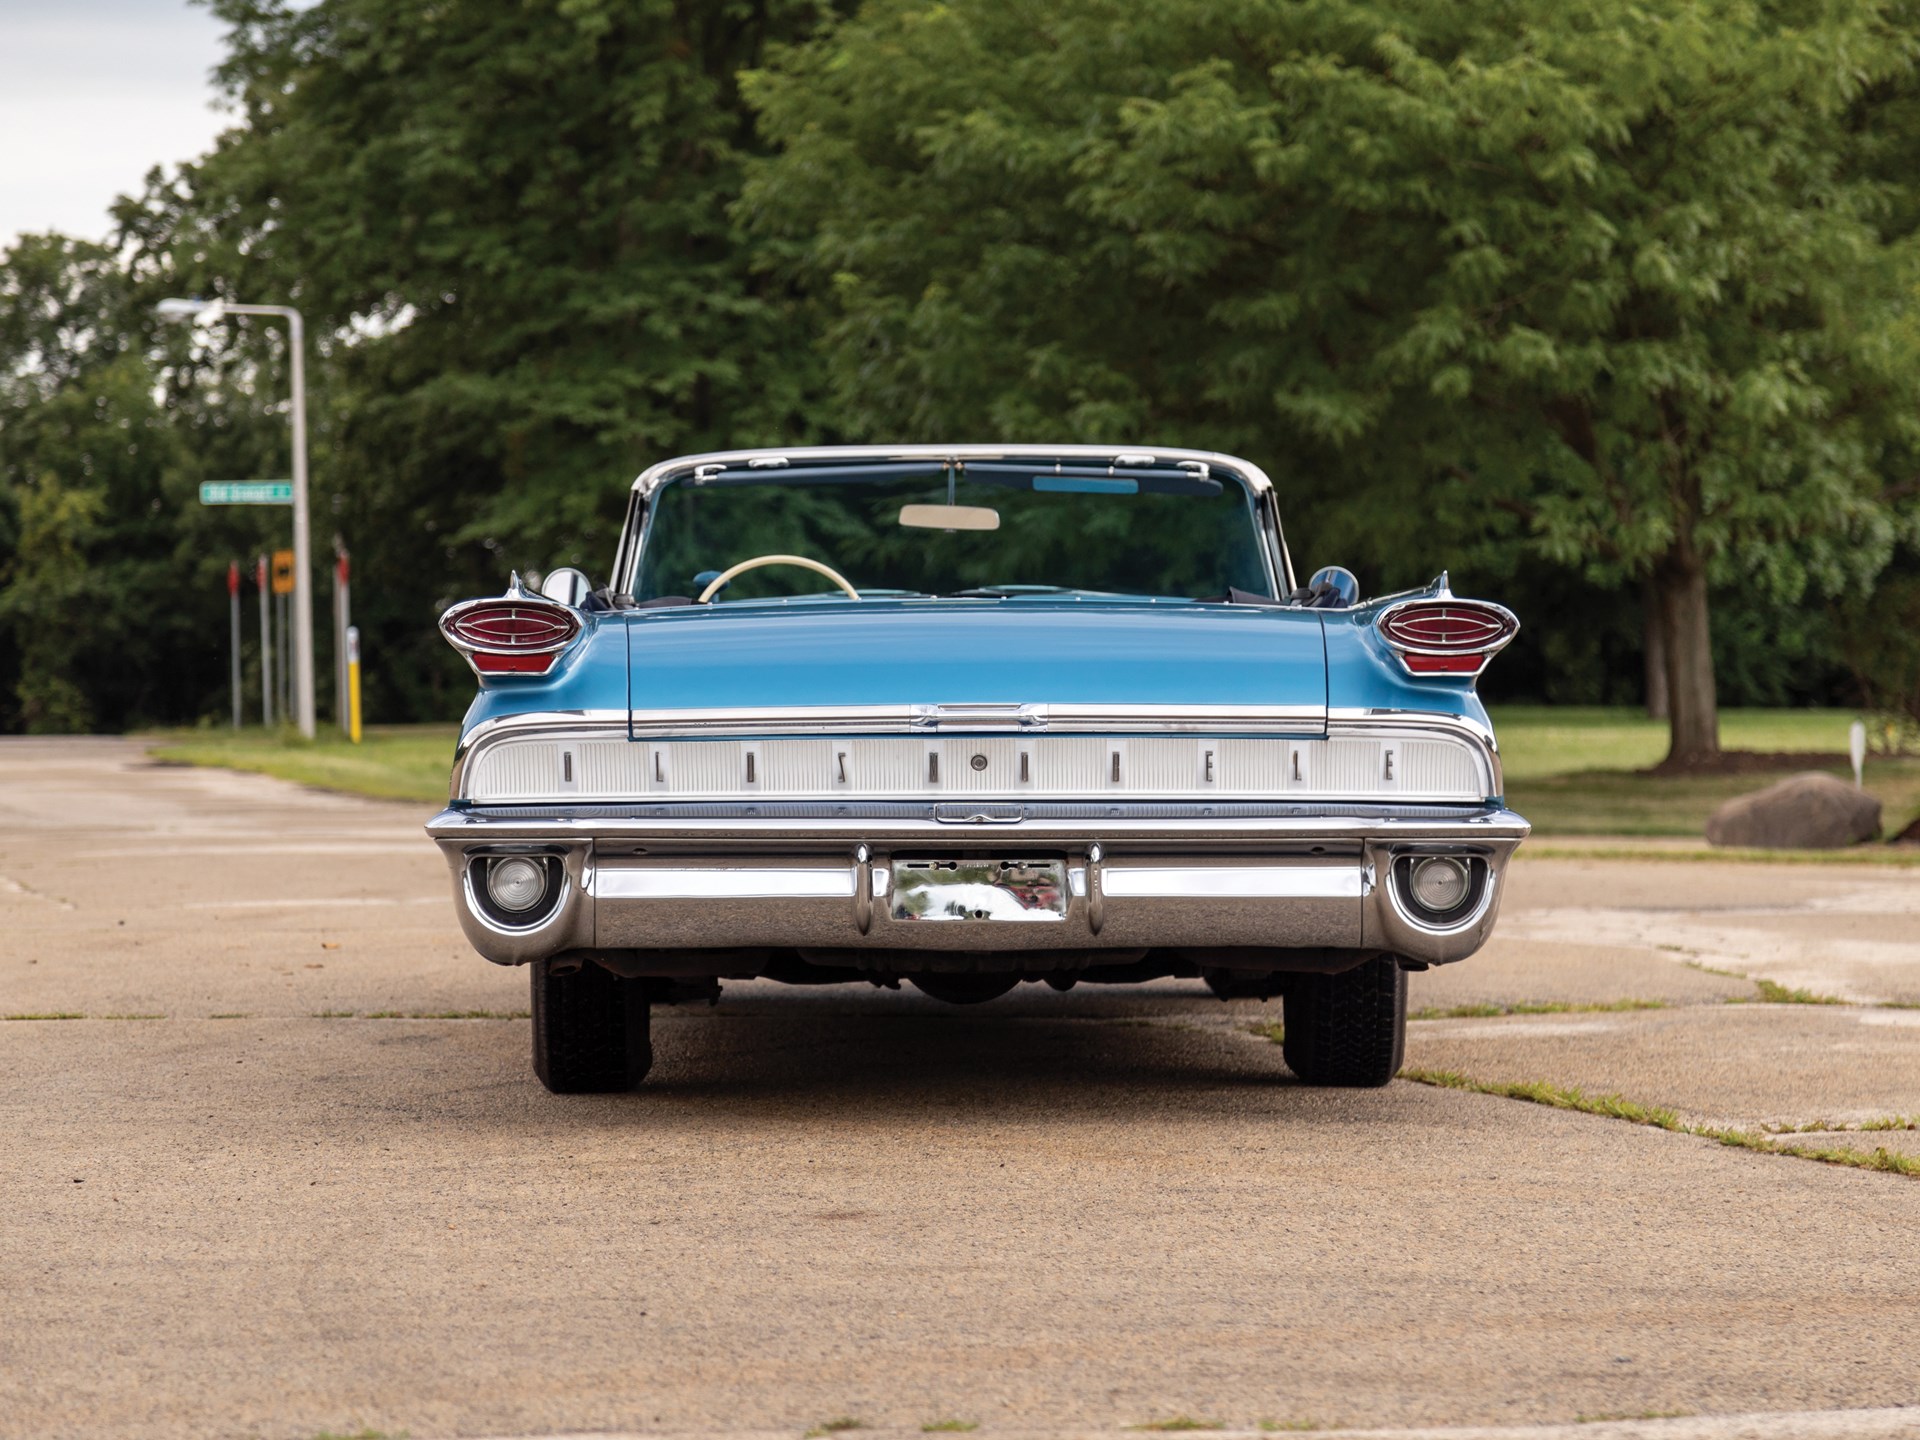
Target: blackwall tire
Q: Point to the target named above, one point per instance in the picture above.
(1348, 1029)
(591, 1034)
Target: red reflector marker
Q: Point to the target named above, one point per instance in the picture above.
(1444, 664)
(489, 663)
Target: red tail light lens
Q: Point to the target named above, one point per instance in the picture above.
(511, 636)
(1447, 637)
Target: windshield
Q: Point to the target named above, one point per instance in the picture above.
(990, 529)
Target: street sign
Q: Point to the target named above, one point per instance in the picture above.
(246, 492)
(283, 572)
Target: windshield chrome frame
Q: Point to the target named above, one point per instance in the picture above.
(633, 535)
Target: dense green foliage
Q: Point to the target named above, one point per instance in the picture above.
(1605, 305)
(1620, 285)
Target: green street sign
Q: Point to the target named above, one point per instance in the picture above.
(246, 492)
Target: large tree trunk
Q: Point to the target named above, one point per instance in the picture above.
(1680, 580)
(1656, 653)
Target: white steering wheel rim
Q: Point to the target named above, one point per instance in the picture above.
(713, 585)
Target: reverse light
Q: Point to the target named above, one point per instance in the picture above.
(517, 883)
(1440, 635)
(1439, 883)
(517, 634)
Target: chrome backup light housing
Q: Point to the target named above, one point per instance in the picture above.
(482, 890)
(1405, 899)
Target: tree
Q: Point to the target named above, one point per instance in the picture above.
(1625, 284)
(507, 225)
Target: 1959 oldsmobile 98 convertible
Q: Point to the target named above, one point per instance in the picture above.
(967, 717)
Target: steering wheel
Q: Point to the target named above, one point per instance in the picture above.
(713, 585)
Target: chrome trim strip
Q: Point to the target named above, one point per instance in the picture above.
(1489, 828)
(1235, 882)
(812, 720)
(785, 882)
(654, 476)
(627, 556)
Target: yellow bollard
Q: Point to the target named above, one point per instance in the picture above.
(353, 683)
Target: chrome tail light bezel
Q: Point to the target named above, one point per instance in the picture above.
(1437, 635)
(531, 652)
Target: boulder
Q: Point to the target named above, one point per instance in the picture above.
(1802, 812)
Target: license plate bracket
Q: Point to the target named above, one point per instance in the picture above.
(978, 891)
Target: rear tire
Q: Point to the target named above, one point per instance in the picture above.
(591, 1031)
(1348, 1029)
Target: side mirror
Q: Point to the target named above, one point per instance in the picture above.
(567, 585)
(1333, 587)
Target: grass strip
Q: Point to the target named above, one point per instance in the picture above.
(1774, 993)
(1895, 855)
(45, 1015)
(1618, 1107)
(1534, 1007)
(1180, 1422)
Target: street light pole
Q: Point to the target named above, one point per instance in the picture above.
(205, 312)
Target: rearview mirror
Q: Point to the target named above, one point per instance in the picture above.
(949, 517)
(567, 585)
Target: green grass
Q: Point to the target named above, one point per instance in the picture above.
(834, 1427)
(1180, 1422)
(1617, 1107)
(1572, 770)
(45, 1015)
(1772, 992)
(944, 1427)
(1533, 1007)
(392, 762)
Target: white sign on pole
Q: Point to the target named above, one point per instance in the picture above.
(1857, 752)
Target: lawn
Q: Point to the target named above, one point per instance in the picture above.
(1572, 771)
(392, 762)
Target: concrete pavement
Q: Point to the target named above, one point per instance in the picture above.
(1054, 1213)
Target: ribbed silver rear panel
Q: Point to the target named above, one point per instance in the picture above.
(912, 767)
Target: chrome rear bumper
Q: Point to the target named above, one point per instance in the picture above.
(1234, 883)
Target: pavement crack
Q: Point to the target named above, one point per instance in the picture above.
(15, 887)
(1618, 1107)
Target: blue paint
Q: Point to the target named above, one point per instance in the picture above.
(1024, 651)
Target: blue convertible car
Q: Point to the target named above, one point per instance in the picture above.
(966, 717)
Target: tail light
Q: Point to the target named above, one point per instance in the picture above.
(517, 634)
(1445, 636)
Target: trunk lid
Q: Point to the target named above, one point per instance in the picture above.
(832, 655)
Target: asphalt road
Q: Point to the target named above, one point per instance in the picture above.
(266, 1212)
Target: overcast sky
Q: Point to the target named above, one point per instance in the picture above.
(93, 93)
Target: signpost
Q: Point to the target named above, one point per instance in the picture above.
(353, 683)
(246, 492)
(342, 623)
(266, 642)
(233, 616)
